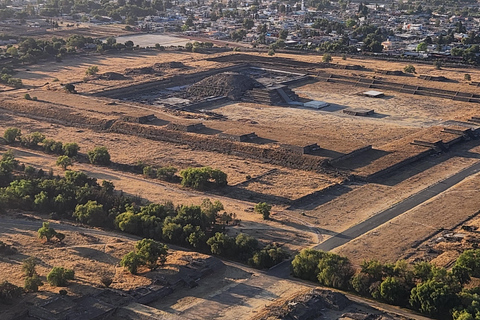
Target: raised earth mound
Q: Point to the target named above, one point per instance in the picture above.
(157, 68)
(230, 84)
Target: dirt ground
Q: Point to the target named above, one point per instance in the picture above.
(91, 253)
(294, 237)
(400, 118)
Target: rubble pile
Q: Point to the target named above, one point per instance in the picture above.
(230, 84)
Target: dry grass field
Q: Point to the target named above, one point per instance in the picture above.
(310, 205)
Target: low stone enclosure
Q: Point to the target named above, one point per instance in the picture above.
(399, 87)
(110, 303)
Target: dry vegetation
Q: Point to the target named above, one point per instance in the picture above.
(400, 118)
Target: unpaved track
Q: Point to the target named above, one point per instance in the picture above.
(396, 210)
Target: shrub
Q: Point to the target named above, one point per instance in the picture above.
(32, 283)
(27, 96)
(28, 267)
(201, 178)
(409, 69)
(166, 173)
(467, 77)
(32, 140)
(152, 253)
(327, 58)
(45, 232)
(92, 70)
(264, 209)
(149, 172)
(99, 156)
(131, 261)
(11, 135)
(70, 149)
(64, 162)
(59, 276)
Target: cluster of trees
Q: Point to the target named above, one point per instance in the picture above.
(164, 173)
(57, 277)
(203, 178)
(198, 46)
(470, 55)
(246, 248)
(76, 196)
(424, 287)
(37, 140)
(6, 77)
(30, 51)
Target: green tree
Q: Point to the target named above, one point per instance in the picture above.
(131, 261)
(467, 77)
(201, 178)
(334, 271)
(59, 276)
(45, 232)
(433, 297)
(70, 149)
(221, 244)
(470, 259)
(422, 47)
(264, 209)
(64, 162)
(153, 253)
(32, 283)
(90, 213)
(305, 264)
(394, 291)
(99, 156)
(12, 134)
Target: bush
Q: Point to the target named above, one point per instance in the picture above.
(152, 253)
(131, 261)
(64, 162)
(32, 140)
(45, 232)
(28, 267)
(59, 276)
(27, 96)
(467, 77)
(11, 135)
(409, 69)
(99, 156)
(166, 173)
(32, 283)
(264, 209)
(202, 178)
(70, 149)
(92, 70)
(327, 58)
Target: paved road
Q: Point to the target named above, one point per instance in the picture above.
(396, 210)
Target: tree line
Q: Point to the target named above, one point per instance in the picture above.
(434, 291)
(79, 197)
